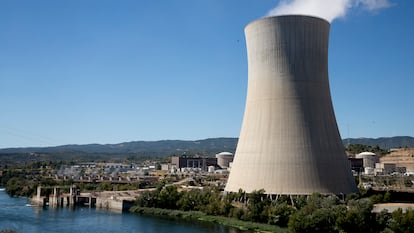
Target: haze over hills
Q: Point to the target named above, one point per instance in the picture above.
(147, 148)
(209, 146)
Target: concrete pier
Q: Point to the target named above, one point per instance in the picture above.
(111, 200)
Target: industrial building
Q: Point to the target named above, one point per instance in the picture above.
(289, 141)
(357, 165)
(224, 159)
(369, 160)
(193, 162)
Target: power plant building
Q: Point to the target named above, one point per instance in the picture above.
(369, 159)
(289, 141)
(224, 159)
(193, 162)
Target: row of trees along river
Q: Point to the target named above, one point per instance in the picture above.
(315, 213)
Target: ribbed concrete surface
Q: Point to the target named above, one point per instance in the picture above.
(289, 141)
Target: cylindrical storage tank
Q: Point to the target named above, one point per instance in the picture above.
(224, 159)
(289, 141)
(369, 159)
(369, 171)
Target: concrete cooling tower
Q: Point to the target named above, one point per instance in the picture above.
(289, 141)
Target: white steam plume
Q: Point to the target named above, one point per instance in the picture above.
(327, 9)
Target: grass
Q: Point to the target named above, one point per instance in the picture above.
(199, 216)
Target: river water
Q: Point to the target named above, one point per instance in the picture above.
(18, 215)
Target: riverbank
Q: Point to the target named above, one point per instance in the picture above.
(199, 216)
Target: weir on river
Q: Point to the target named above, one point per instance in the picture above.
(112, 200)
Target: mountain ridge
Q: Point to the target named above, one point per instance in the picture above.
(207, 146)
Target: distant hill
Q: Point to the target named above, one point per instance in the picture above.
(142, 148)
(178, 147)
(384, 143)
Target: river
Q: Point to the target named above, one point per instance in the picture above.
(18, 215)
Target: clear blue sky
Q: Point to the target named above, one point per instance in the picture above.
(100, 71)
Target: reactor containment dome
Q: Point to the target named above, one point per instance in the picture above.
(289, 142)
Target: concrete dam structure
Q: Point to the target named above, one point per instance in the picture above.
(289, 142)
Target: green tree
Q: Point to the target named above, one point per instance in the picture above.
(320, 220)
(257, 206)
(402, 222)
(48, 182)
(279, 214)
(147, 199)
(320, 214)
(238, 213)
(359, 217)
(377, 198)
(194, 200)
(387, 197)
(168, 197)
(215, 206)
(20, 187)
(218, 203)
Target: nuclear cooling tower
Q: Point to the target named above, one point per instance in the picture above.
(289, 141)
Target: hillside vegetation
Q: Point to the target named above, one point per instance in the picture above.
(141, 150)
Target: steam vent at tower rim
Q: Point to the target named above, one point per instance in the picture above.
(289, 141)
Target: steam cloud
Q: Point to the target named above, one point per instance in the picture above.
(327, 9)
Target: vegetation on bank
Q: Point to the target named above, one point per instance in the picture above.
(315, 213)
(200, 216)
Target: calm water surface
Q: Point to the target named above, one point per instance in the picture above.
(16, 214)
